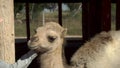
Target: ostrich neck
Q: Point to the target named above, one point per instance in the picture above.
(52, 59)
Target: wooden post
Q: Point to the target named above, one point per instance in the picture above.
(96, 17)
(60, 12)
(106, 15)
(85, 20)
(27, 21)
(118, 15)
(7, 48)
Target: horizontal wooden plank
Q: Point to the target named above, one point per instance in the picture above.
(47, 1)
(53, 1)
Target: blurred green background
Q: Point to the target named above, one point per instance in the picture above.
(71, 17)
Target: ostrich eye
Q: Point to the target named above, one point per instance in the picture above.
(51, 38)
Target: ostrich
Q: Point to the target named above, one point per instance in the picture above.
(102, 51)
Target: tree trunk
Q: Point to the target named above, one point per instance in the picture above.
(7, 48)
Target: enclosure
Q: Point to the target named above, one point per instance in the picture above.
(89, 18)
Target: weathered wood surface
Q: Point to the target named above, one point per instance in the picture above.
(7, 48)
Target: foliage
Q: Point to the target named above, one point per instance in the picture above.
(72, 23)
(73, 6)
(18, 7)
